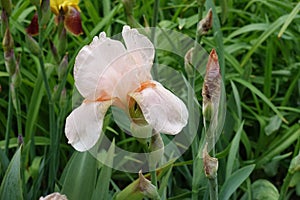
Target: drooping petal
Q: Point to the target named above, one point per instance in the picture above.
(139, 47)
(96, 67)
(33, 28)
(164, 111)
(84, 124)
(73, 21)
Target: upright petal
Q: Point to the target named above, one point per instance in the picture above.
(101, 58)
(84, 124)
(164, 111)
(139, 47)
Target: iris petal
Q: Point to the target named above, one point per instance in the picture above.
(84, 124)
(164, 111)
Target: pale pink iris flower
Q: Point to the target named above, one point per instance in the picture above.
(108, 73)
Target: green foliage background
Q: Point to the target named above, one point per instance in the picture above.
(258, 43)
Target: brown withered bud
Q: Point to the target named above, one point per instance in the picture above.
(206, 23)
(33, 28)
(73, 21)
(147, 188)
(211, 90)
(210, 164)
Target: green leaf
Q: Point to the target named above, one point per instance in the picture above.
(233, 151)
(262, 96)
(234, 181)
(289, 19)
(80, 178)
(263, 189)
(271, 29)
(11, 186)
(101, 191)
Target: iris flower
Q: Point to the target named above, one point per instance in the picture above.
(71, 13)
(108, 73)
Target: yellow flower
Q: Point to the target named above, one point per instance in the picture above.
(56, 5)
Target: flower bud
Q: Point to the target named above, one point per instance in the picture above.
(139, 189)
(62, 43)
(188, 60)
(205, 24)
(32, 45)
(210, 164)
(63, 67)
(6, 5)
(8, 42)
(16, 77)
(54, 52)
(147, 188)
(10, 61)
(211, 90)
(46, 12)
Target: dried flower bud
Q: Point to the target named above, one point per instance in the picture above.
(139, 189)
(6, 5)
(188, 60)
(147, 188)
(73, 21)
(33, 28)
(20, 140)
(205, 24)
(210, 164)
(211, 90)
(63, 67)
(10, 61)
(32, 45)
(54, 196)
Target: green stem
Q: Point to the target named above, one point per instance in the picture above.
(153, 24)
(53, 135)
(213, 188)
(153, 178)
(9, 117)
(18, 112)
(285, 186)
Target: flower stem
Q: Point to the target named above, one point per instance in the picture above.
(53, 135)
(153, 178)
(8, 122)
(213, 188)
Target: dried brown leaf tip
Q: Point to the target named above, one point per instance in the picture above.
(206, 23)
(211, 90)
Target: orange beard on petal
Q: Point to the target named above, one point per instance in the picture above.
(144, 85)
